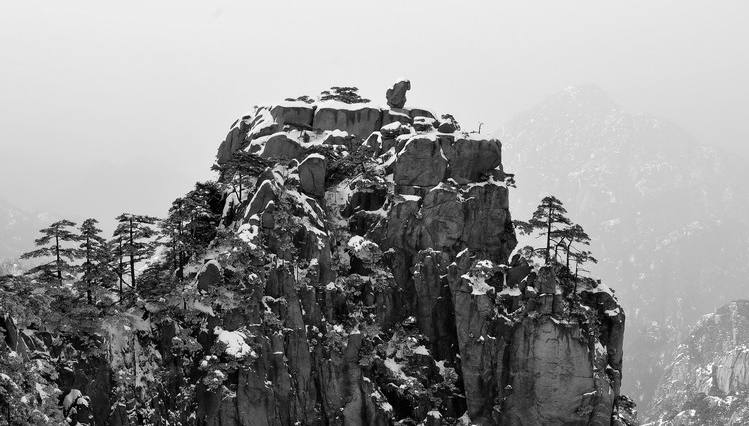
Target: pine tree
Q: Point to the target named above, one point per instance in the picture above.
(572, 237)
(191, 224)
(117, 262)
(237, 171)
(94, 251)
(304, 98)
(137, 236)
(204, 207)
(53, 246)
(174, 229)
(345, 94)
(547, 218)
(581, 258)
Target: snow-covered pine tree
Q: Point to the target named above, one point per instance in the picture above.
(238, 171)
(345, 94)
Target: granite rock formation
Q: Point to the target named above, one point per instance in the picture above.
(365, 277)
(396, 95)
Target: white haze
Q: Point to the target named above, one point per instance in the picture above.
(110, 107)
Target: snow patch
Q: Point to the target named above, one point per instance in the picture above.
(478, 275)
(236, 345)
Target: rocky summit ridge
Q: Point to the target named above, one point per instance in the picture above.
(363, 274)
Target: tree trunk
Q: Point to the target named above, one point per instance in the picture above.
(574, 290)
(57, 256)
(569, 247)
(556, 251)
(119, 266)
(181, 260)
(240, 189)
(88, 270)
(548, 235)
(132, 256)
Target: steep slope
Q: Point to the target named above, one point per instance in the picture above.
(707, 382)
(361, 274)
(664, 212)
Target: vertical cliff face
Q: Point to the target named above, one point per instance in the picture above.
(707, 382)
(362, 274)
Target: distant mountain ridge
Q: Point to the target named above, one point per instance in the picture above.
(707, 381)
(665, 212)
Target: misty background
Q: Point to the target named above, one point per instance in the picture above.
(110, 108)
(100, 101)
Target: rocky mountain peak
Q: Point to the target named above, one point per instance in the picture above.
(431, 207)
(361, 272)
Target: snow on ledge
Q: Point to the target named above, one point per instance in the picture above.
(236, 345)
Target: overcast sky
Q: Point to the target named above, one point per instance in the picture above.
(107, 108)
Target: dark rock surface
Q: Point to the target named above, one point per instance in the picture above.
(312, 175)
(396, 95)
(358, 120)
(235, 140)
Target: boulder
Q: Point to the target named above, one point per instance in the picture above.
(264, 195)
(442, 219)
(395, 129)
(488, 225)
(424, 124)
(396, 95)
(338, 137)
(420, 163)
(418, 112)
(471, 158)
(297, 114)
(234, 141)
(281, 147)
(396, 114)
(312, 175)
(356, 119)
(209, 277)
(446, 127)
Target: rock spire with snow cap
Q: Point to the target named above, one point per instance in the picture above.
(396, 95)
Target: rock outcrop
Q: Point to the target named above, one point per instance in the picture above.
(362, 276)
(396, 95)
(419, 231)
(707, 382)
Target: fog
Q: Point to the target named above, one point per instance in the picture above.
(109, 108)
